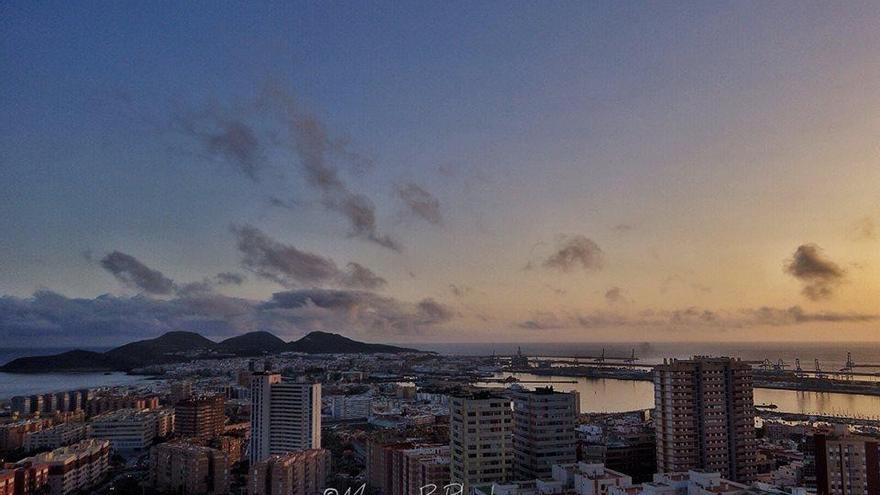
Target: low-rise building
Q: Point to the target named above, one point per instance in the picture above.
(190, 469)
(130, 431)
(74, 468)
(298, 473)
(55, 436)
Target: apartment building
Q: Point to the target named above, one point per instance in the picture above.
(704, 417)
(481, 448)
(190, 469)
(298, 473)
(543, 430)
(285, 416)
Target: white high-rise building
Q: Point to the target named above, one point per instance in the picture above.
(285, 416)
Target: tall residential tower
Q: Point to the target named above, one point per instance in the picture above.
(704, 417)
(285, 416)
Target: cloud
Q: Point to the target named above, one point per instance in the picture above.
(231, 139)
(459, 290)
(359, 276)
(106, 319)
(865, 229)
(316, 149)
(615, 295)
(131, 272)
(291, 267)
(689, 318)
(623, 228)
(317, 309)
(420, 203)
(230, 278)
(819, 274)
(573, 251)
(796, 314)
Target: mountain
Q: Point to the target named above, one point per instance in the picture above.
(253, 343)
(330, 343)
(76, 360)
(179, 346)
(166, 348)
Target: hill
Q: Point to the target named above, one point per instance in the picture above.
(179, 346)
(333, 343)
(253, 343)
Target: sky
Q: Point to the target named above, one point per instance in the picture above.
(440, 171)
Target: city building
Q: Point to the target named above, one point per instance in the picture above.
(190, 469)
(200, 417)
(108, 403)
(419, 466)
(27, 477)
(298, 473)
(131, 431)
(285, 416)
(74, 468)
(344, 407)
(847, 465)
(480, 438)
(180, 391)
(12, 434)
(55, 436)
(704, 417)
(543, 430)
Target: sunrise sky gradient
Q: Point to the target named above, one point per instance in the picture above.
(440, 171)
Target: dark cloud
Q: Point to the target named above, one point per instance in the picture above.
(818, 273)
(131, 272)
(292, 267)
(459, 290)
(230, 278)
(110, 319)
(317, 151)
(615, 295)
(231, 139)
(575, 251)
(317, 309)
(690, 318)
(796, 314)
(359, 276)
(420, 203)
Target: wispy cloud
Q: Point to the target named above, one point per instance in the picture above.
(292, 267)
(420, 203)
(136, 275)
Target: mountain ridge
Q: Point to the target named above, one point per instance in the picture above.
(178, 346)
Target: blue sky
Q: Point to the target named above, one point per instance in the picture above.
(696, 145)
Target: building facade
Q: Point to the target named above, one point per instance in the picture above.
(847, 465)
(704, 417)
(285, 416)
(200, 417)
(190, 469)
(298, 473)
(75, 468)
(480, 438)
(543, 430)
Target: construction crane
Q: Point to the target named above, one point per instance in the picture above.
(798, 371)
(819, 372)
(601, 359)
(848, 368)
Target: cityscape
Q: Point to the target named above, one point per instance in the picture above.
(440, 248)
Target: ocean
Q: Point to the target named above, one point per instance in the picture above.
(596, 395)
(831, 355)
